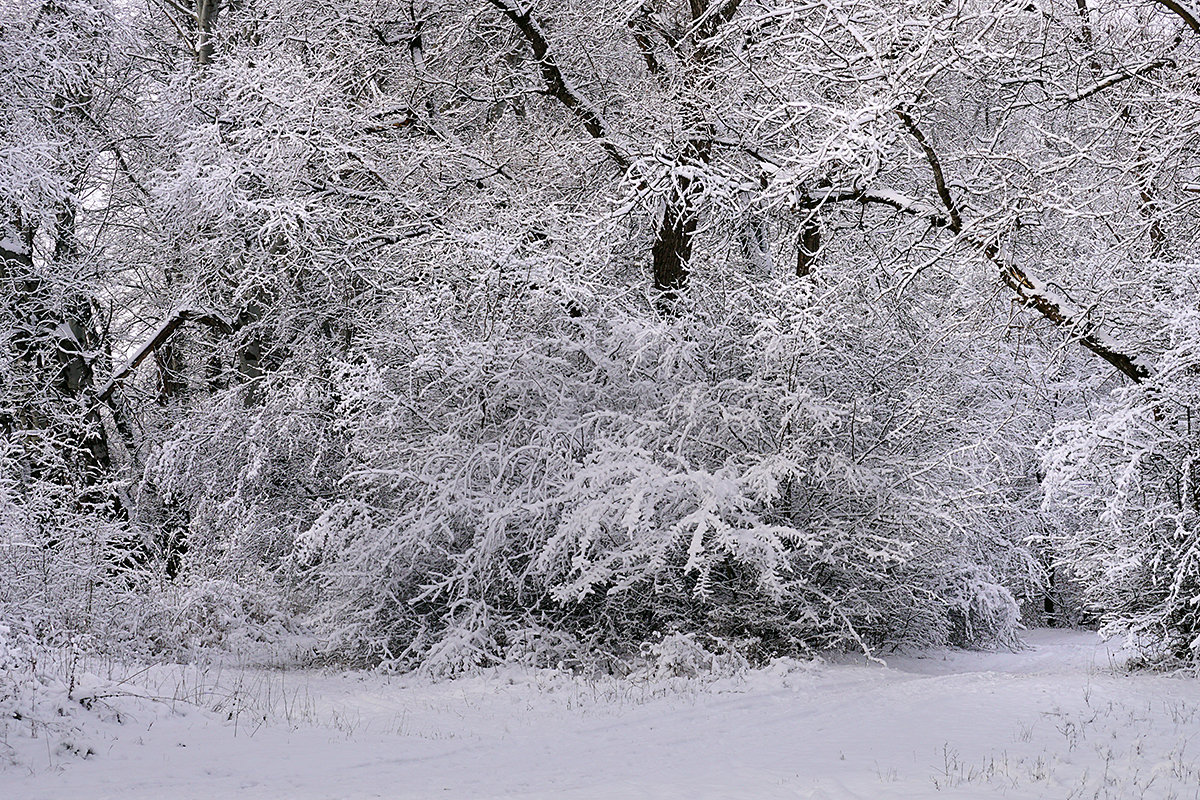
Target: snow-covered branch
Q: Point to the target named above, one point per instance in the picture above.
(1182, 10)
(558, 85)
(1031, 292)
(162, 333)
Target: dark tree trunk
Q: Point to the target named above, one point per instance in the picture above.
(54, 344)
(808, 243)
(673, 247)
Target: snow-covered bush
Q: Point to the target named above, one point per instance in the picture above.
(684, 655)
(62, 570)
(982, 610)
(76, 576)
(1126, 481)
(184, 621)
(619, 478)
(36, 703)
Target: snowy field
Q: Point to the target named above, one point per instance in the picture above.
(1059, 720)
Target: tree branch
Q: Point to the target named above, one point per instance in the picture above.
(1113, 79)
(935, 166)
(1029, 290)
(707, 18)
(557, 84)
(416, 50)
(165, 330)
(1085, 22)
(1036, 295)
(645, 47)
(1183, 12)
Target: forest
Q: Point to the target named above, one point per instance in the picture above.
(441, 334)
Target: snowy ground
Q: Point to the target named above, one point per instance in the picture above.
(1057, 721)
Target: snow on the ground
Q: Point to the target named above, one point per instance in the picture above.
(1059, 720)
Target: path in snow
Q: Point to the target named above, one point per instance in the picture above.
(1056, 721)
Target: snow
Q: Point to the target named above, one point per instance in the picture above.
(1060, 719)
(12, 244)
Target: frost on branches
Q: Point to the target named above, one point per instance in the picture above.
(571, 485)
(439, 334)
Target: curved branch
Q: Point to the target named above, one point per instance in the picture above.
(935, 166)
(1035, 295)
(1183, 12)
(1030, 291)
(1113, 79)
